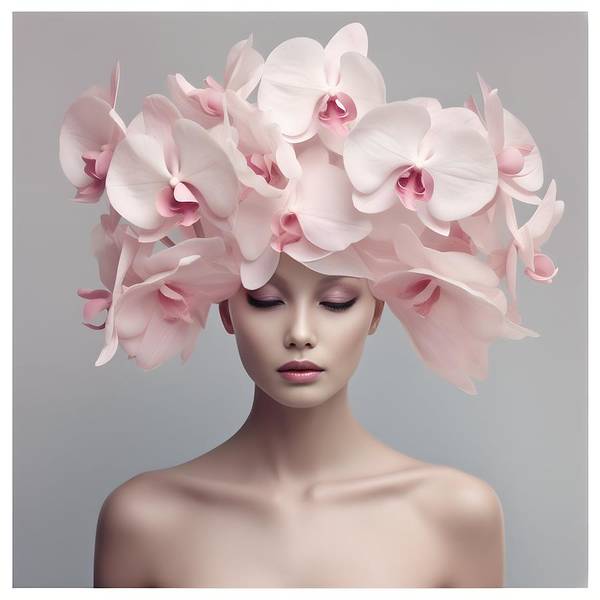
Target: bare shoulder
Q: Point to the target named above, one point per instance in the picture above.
(461, 498)
(129, 519)
(470, 521)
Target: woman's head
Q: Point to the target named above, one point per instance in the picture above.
(302, 315)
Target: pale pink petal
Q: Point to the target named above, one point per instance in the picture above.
(293, 81)
(87, 125)
(449, 339)
(252, 224)
(107, 253)
(543, 268)
(440, 227)
(204, 164)
(159, 116)
(304, 251)
(384, 139)
(531, 177)
(381, 199)
(168, 259)
(185, 97)
(243, 68)
(325, 210)
(348, 263)
(464, 171)
(254, 274)
(493, 113)
(432, 105)
(457, 116)
(350, 38)
(385, 224)
(332, 140)
(137, 173)
(362, 81)
(129, 249)
(511, 273)
(509, 185)
(162, 340)
(137, 124)
(546, 216)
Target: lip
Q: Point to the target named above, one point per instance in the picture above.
(300, 371)
(300, 376)
(300, 365)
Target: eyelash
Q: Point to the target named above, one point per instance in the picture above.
(333, 306)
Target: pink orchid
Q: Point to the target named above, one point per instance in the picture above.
(311, 220)
(449, 303)
(173, 174)
(314, 90)
(122, 274)
(526, 244)
(457, 240)
(89, 134)
(520, 167)
(436, 164)
(163, 314)
(205, 105)
(107, 241)
(263, 160)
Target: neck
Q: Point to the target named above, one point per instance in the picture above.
(288, 444)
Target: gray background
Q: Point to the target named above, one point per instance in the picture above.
(80, 430)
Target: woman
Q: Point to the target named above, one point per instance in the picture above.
(300, 216)
(301, 495)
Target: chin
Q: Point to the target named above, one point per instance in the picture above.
(300, 401)
(299, 395)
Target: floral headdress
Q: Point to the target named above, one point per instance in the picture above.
(416, 198)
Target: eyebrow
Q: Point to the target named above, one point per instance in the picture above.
(326, 280)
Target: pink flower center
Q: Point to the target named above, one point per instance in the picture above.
(414, 185)
(422, 294)
(544, 269)
(173, 303)
(512, 158)
(97, 161)
(179, 198)
(336, 111)
(97, 301)
(286, 230)
(264, 166)
(210, 98)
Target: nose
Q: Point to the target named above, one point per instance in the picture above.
(300, 332)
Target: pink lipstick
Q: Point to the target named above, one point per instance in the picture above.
(300, 371)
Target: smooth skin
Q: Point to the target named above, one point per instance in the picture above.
(301, 495)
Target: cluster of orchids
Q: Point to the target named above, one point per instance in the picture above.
(206, 189)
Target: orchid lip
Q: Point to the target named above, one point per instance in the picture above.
(296, 365)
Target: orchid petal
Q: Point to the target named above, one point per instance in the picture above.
(350, 38)
(137, 173)
(159, 116)
(252, 224)
(384, 139)
(205, 165)
(362, 81)
(464, 171)
(293, 80)
(328, 217)
(254, 274)
(243, 68)
(87, 125)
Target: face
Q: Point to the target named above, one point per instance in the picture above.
(304, 316)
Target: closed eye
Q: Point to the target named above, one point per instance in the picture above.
(334, 306)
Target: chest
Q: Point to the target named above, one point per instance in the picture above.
(375, 544)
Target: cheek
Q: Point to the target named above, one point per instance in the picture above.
(256, 342)
(347, 337)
